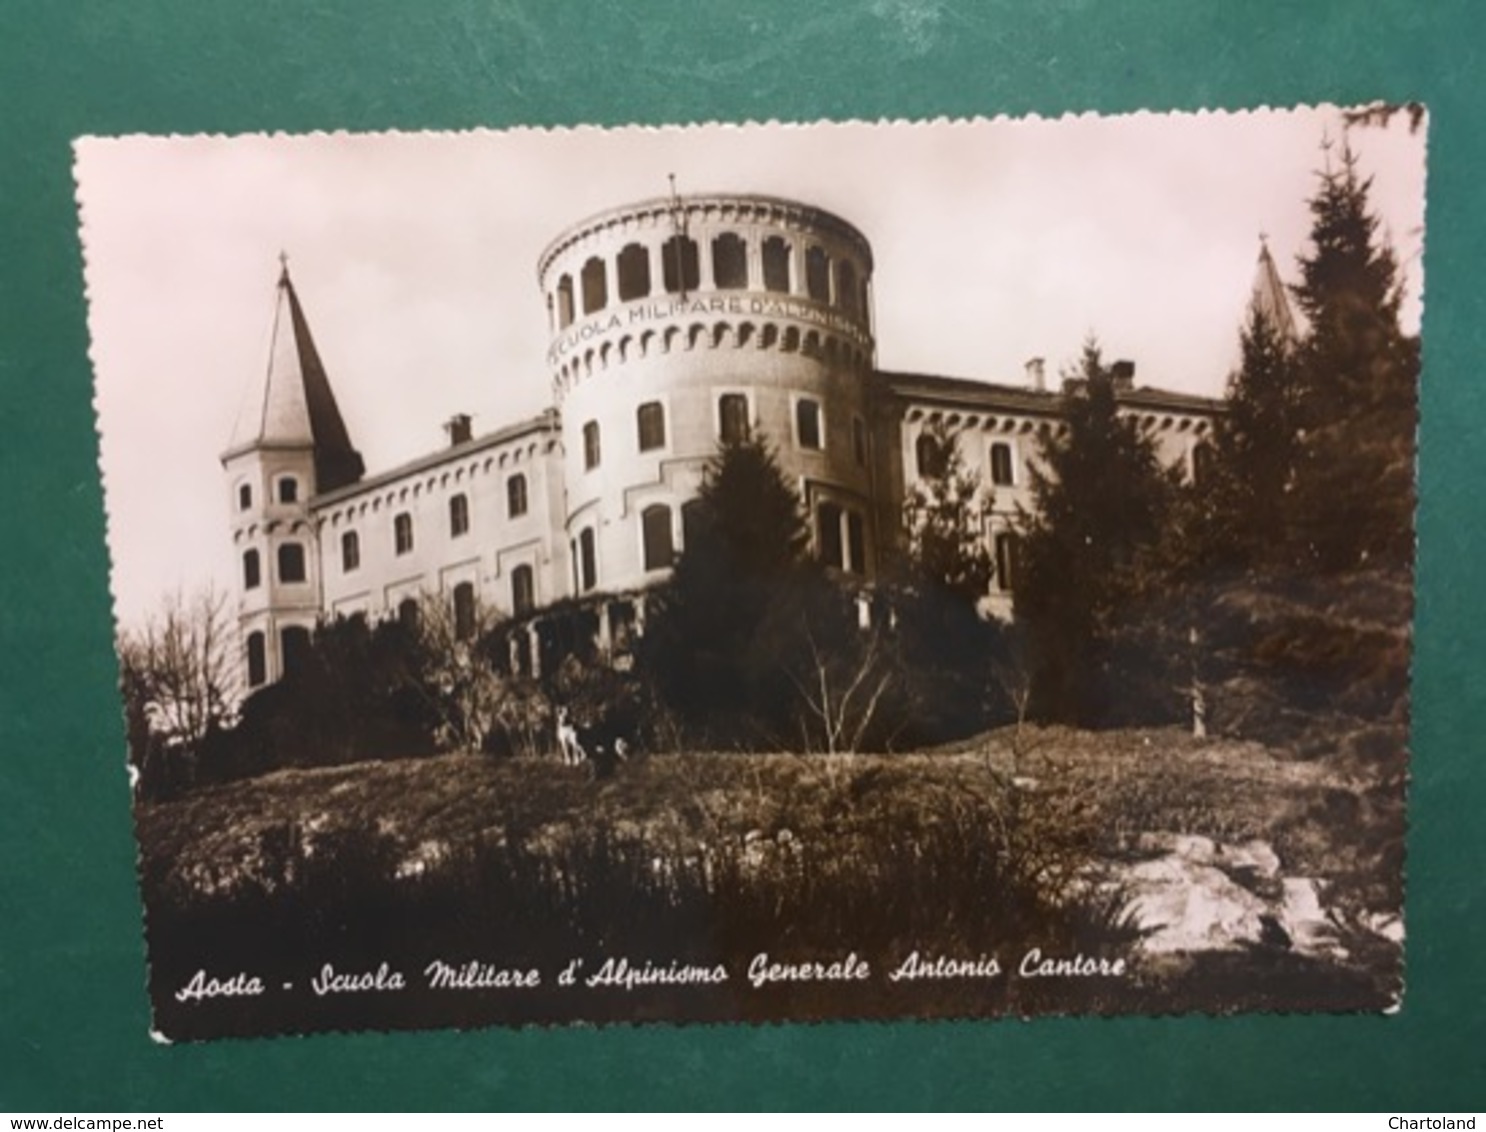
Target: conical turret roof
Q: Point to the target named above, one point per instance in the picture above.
(295, 407)
(1270, 299)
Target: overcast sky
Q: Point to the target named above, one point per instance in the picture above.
(415, 259)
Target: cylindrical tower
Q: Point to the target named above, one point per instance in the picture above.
(678, 323)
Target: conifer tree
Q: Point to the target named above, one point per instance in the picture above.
(945, 647)
(1088, 549)
(712, 638)
(1244, 486)
(1352, 501)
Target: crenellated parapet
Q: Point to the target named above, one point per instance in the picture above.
(680, 323)
(705, 272)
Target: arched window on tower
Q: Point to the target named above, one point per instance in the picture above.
(252, 570)
(660, 550)
(523, 590)
(564, 302)
(592, 450)
(288, 489)
(291, 562)
(595, 286)
(650, 419)
(295, 643)
(807, 423)
(691, 512)
(776, 264)
(244, 496)
(679, 265)
(257, 660)
(846, 286)
(516, 496)
(634, 272)
(729, 262)
(732, 418)
(818, 274)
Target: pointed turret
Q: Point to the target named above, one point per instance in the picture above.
(1270, 299)
(294, 406)
(289, 445)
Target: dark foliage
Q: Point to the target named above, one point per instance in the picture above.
(352, 698)
(1353, 497)
(717, 632)
(1089, 558)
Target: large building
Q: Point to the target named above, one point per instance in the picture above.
(675, 324)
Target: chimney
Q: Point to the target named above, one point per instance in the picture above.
(458, 428)
(1122, 376)
(1037, 374)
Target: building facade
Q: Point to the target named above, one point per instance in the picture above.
(675, 324)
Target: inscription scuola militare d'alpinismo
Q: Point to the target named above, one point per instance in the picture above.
(640, 313)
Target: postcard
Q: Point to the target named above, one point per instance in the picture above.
(742, 573)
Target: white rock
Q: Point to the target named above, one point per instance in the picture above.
(1190, 907)
(1304, 917)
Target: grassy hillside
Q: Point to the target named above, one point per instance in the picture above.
(983, 849)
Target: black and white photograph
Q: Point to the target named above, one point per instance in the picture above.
(763, 572)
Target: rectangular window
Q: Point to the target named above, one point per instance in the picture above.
(732, 418)
(591, 451)
(402, 533)
(523, 590)
(588, 567)
(459, 515)
(350, 551)
(807, 423)
(828, 534)
(1001, 464)
(291, 562)
(856, 543)
(651, 421)
(655, 523)
(1007, 553)
(464, 611)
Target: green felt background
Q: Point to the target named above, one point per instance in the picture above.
(72, 1005)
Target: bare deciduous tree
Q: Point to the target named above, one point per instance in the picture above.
(180, 673)
(840, 691)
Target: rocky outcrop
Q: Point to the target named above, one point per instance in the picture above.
(1192, 894)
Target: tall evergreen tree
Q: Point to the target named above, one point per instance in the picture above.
(944, 523)
(714, 637)
(1352, 502)
(1243, 488)
(945, 647)
(1101, 501)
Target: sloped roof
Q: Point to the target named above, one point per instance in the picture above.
(985, 395)
(1270, 298)
(295, 407)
